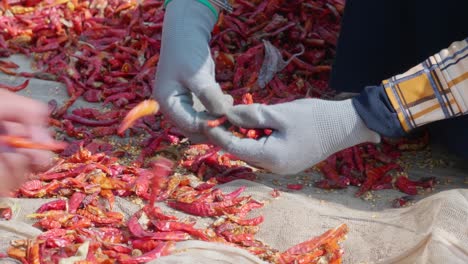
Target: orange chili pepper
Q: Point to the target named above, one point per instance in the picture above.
(21, 142)
(145, 108)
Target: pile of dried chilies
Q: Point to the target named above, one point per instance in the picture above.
(86, 228)
(108, 52)
(373, 167)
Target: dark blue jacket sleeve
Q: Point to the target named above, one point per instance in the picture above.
(375, 109)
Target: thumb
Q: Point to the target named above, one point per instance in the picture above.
(208, 91)
(211, 96)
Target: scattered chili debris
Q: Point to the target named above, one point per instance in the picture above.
(402, 201)
(6, 213)
(275, 193)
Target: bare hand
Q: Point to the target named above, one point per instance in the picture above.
(21, 116)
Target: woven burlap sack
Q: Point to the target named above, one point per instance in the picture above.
(434, 230)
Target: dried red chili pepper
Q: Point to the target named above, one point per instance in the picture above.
(330, 173)
(373, 175)
(21, 142)
(295, 187)
(53, 205)
(169, 226)
(217, 122)
(89, 122)
(332, 235)
(149, 107)
(410, 187)
(16, 88)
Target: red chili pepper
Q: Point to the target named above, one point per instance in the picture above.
(20, 142)
(75, 201)
(217, 122)
(93, 96)
(8, 64)
(160, 250)
(234, 194)
(6, 70)
(89, 122)
(199, 209)
(384, 183)
(328, 184)
(329, 236)
(295, 187)
(176, 226)
(53, 205)
(330, 173)
(16, 88)
(248, 222)
(406, 186)
(373, 175)
(146, 244)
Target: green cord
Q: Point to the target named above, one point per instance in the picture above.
(204, 2)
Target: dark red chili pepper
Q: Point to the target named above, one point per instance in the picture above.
(405, 185)
(295, 187)
(93, 96)
(89, 122)
(373, 175)
(62, 110)
(16, 88)
(330, 173)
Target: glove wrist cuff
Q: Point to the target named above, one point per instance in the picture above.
(206, 3)
(361, 133)
(351, 128)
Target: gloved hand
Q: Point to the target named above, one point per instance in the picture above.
(186, 67)
(306, 132)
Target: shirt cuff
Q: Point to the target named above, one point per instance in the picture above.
(435, 89)
(377, 112)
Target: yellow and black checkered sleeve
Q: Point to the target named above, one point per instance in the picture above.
(435, 89)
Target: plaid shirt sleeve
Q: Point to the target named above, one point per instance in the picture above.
(435, 89)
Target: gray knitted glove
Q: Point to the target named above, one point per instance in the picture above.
(186, 67)
(306, 132)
